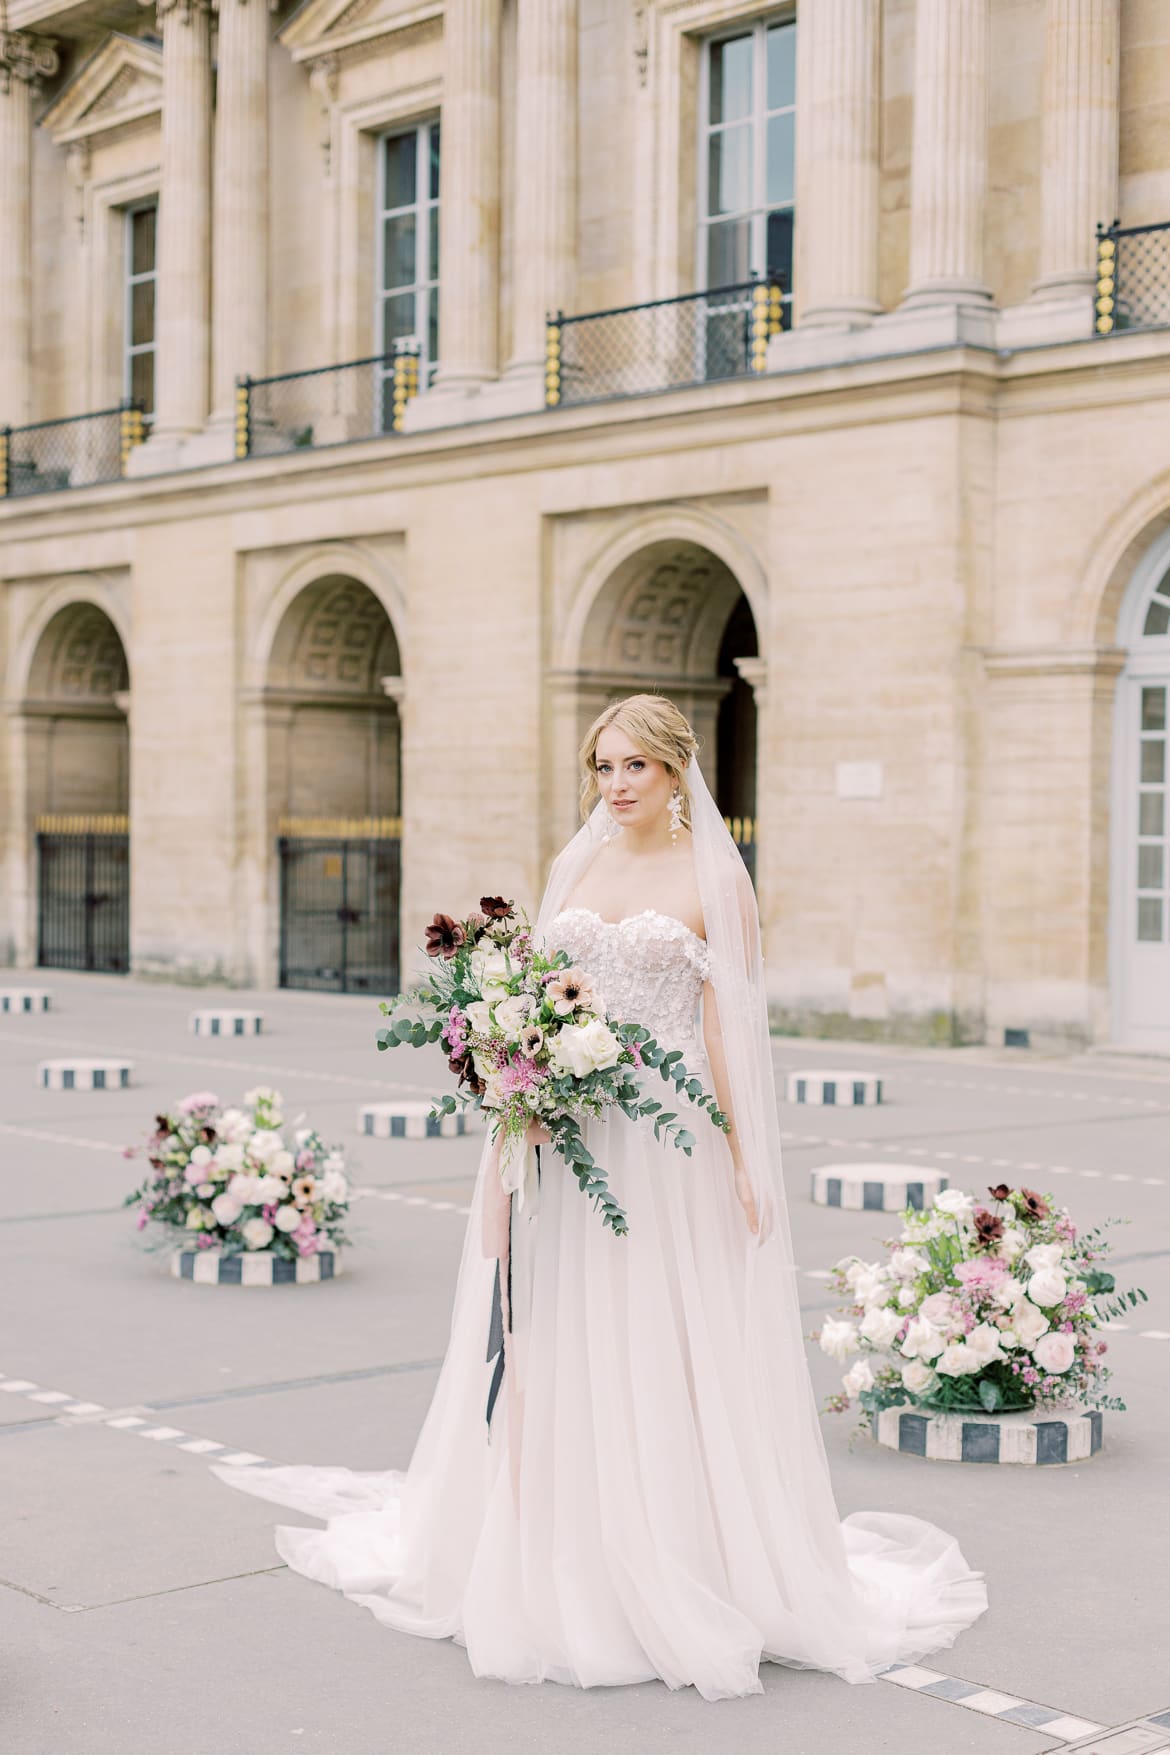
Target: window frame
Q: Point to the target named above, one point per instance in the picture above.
(425, 291)
(131, 349)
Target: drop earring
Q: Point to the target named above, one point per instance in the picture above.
(675, 807)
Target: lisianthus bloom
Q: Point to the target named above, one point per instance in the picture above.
(444, 937)
(495, 907)
(570, 991)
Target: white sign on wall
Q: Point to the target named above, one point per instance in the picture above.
(859, 780)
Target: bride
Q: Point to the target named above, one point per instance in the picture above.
(651, 1497)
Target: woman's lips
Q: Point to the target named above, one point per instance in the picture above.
(622, 803)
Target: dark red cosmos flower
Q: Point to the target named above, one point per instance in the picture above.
(463, 1067)
(495, 907)
(988, 1227)
(1035, 1206)
(444, 937)
(1001, 1191)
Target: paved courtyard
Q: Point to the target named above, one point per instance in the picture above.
(142, 1607)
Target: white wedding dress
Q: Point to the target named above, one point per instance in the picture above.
(653, 1499)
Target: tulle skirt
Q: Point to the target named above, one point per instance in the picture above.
(654, 1498)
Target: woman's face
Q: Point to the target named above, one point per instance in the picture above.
(636, 787)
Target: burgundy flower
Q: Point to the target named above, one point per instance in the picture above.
(1035, 1206)
(463, 1067)
(1001, 1191)
(444, 937)
(495, 907)
(988, 1227)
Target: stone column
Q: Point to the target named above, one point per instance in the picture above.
(837, 82)
(544, 276)
(948, 179)
(24, 62)
(1082, 55)
(240, 241)
(184, 219)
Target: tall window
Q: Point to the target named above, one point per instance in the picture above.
(747, 172)
(408, 245)
(141, 276)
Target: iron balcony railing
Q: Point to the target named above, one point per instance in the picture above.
(78, 451)
(667, 344)
(326, 405)
(1133, 277)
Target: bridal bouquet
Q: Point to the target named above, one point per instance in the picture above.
(529, 1039)
(234, 1180)
(979, 1309)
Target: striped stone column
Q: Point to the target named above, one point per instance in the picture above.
(240, 239)
(184, 220)
(837, 82)
(24, 62)
(469, 211)
(1082, 56)
(948, 178)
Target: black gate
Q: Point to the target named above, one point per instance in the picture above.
(339, 906)
(83, 893)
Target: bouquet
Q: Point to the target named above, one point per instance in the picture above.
(980, 1309)
(529, 1039)
(231, 1180)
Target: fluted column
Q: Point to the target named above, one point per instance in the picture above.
(24, 61)
(948, 179)
(1082, 55)
(240, 242)
(469, 212)
(184, 218)
(545, 273)
(837, 82)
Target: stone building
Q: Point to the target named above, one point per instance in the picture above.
(319, 545)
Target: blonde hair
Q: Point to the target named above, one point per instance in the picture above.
(659, 730)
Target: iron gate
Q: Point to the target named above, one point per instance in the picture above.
(83, 893)
(339, 889)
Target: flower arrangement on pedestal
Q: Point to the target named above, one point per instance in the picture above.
(978, 1309)
(238, 1181)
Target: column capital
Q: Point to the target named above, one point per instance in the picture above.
(25, 57)
(184, 9)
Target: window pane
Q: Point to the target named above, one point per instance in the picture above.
(781, 158)
(1153, 762)
(780, 246)
(142, 231)
(401, 187)
(398, 256)
(1150, 919)
(397, 320)
(1152, 814)
(434, 133)
(781, 66)
(729, 248)
(433, 333)
(1154, 709)
(729, 170)
(142, 380)
(731, 79)
(141, 313)
(433, 264)
(1157, 618)
(1149, 868)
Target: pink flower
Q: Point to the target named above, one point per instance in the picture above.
(204, 1240)
(143, 1216)
(197, 1101)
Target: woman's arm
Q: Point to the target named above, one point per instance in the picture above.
(713, 1040)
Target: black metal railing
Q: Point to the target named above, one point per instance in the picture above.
(1133, 277)
(743, 832)
(80, 450)
(326, 405)
(83, 893)
(667, 344)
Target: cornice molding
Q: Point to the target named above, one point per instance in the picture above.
(356, 28)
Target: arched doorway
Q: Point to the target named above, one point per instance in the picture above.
(77, 754)
(1141, 814)
(673, 618)
(334, 788)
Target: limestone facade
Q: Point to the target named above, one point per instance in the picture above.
(907, 580)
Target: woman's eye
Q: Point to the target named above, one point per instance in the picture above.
(637, 764)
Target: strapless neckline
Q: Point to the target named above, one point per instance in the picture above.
(629, 919)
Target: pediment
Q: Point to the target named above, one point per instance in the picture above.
(324, 27)
(120, 83)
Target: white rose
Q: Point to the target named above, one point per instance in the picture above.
(838, 1339)
(479, 1016)
(921, 1340)
(226, 1208)
(954, 1203)
(492, 1096)
(245, 1189)
(871, 1286)
(490, 970)
(1044, 1255)
(584, 1048)
(879, 1327)
(858, 1377)
(283, 1164)
(230, 1157)
(1054, 1352)
(1009, 1340)
(270, 1190)
(1013, 1243)
(939, 1309)
(201, 1155)
(1030, 1323)
(257, 1233)
(907, 1297)
(906, 1264)
(958, 1360)
(1008, 1293)
(1047, 1288)
(917, 1377)
(849, 1267)
(264, 1145)
(511, 1015)
(287, 1218)
(334, 1187)
(986, 1342)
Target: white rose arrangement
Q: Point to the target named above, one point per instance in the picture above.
(228, 1179)
(979, 1308)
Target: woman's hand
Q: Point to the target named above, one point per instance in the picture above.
(746, 1199)
(538, 1135)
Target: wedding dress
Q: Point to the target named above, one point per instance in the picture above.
(653, 1497)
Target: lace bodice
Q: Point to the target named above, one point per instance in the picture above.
(649, 968)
